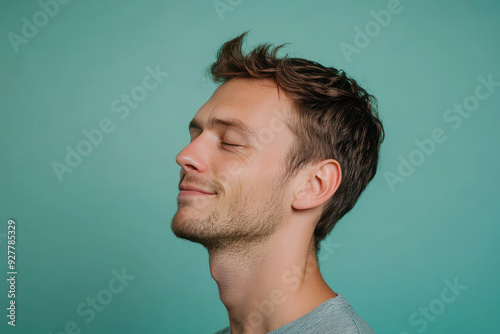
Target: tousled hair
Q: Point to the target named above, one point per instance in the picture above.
(334, 118)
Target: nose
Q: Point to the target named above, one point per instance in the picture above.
(194, 157)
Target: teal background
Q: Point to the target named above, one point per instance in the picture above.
(388, 257)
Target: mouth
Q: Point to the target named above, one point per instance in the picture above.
(194, 193)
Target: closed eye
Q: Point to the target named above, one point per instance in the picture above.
(228, 144)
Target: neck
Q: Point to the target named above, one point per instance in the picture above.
(268, 284)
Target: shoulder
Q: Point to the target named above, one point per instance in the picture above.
(335, 315)
(344, 319)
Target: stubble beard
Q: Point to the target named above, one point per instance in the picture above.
(246, 221)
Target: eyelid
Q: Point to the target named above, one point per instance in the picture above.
(231, 140)
(195, 132)
(228, 144)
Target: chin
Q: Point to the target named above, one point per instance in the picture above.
(188, 228)
(197, 231)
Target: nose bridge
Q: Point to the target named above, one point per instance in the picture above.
(195, 154)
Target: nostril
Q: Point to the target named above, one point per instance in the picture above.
(191, 166)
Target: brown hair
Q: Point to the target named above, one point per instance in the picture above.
(335, 119)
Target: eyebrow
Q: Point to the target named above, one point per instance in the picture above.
(232, 123)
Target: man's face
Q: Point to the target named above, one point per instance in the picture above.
(231, 187)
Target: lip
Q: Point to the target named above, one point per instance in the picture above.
(193, 193)
(190, 190)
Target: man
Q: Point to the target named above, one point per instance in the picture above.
(278, 154)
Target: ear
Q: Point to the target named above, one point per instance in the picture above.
(321, 181)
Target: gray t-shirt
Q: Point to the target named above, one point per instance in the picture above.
(335, 315)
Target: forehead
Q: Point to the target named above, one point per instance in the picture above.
(254, 102)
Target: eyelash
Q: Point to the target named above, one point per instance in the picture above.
(231, 145)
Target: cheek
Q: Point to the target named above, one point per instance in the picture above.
(262, 179)
(227, 173)
(270, 166)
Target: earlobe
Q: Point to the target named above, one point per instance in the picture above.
(319, 185)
